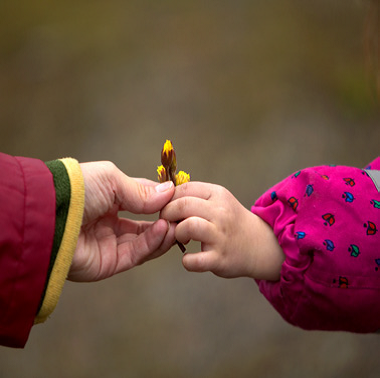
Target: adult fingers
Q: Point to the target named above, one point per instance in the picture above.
(145, 181)
(128, 229)
(125, 228)
(167, 243)
(153, 241)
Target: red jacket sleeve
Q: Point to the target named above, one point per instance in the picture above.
(27, 222)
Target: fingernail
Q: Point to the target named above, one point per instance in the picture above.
(164, 186)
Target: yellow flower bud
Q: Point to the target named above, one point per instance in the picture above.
(173, 165)
(167, 154)
(167, 171)
(161, 171)
(181, 178)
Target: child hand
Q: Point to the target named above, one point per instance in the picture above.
(234, 242)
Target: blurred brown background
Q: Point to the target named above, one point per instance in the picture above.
(248, 91)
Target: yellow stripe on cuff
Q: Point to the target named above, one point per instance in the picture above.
(69, 241)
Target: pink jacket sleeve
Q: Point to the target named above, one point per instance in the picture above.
(27, 221)
(327, 221)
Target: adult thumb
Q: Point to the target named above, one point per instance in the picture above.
(142, 197)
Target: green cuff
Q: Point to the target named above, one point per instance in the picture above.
(62, 200)
(70, 208)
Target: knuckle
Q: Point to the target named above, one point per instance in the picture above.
(108, 166)
(194, 225)
(183, 205)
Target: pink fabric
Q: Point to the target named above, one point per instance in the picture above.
(27, 221)
(327, 220)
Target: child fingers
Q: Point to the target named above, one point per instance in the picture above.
(194, 189)
(186, 207)
(195, 228)
(200, 262)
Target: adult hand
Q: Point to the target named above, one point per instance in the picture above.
(108, 244)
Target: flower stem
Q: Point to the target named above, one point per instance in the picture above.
(181, 246)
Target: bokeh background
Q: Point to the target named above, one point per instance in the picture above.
(249, 92)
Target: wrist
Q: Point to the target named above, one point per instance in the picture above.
(269, 255)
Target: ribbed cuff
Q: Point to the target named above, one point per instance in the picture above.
(69, 184)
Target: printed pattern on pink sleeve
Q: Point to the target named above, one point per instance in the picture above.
(327, 221)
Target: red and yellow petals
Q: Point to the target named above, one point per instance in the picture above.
(167, 171)
(161, 172)
(181, 178)
(167, 154)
